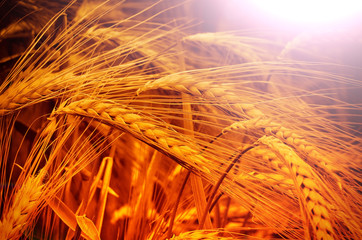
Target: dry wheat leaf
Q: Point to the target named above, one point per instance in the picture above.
(88, 227)
(63, 212)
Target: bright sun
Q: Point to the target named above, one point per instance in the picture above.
(312, 11)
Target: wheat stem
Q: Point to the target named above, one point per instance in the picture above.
(174, 211)
(217, 185)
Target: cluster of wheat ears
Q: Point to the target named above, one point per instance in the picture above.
(120, 121)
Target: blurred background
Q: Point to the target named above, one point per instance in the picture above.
(312, 31)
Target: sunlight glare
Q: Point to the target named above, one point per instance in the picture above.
(311, 11)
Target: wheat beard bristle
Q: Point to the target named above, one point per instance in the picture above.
(24, 202)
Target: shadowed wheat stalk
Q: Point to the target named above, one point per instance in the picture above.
(119, 121)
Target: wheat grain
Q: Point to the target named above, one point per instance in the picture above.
(201, 234)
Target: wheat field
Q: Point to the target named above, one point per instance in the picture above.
(126, 120)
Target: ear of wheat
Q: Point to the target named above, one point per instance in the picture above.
(20, 211)
(119, 121)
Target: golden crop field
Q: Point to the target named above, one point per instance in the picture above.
(132, 120)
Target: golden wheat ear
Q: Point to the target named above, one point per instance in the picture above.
(20, 212)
